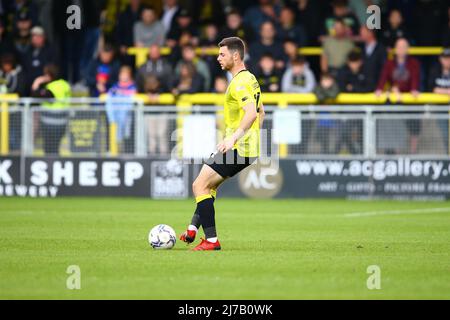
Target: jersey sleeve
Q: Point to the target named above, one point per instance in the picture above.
(243, 94)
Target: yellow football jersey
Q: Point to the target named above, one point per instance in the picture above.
(243, 89)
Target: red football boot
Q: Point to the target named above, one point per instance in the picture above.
(205, 245)
(188, 236)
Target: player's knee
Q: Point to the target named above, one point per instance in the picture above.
(199, 188)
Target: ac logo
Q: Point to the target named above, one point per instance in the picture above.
(261, 181)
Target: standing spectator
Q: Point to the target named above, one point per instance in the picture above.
(55, 116)
(22, 33)
(352, 77)
(265, 11)
(189, 80)
(12, 80)
(184, 24)
(268, 44)
(235, 27)
(119, 108)
(6, 43)
(311, 14)
(298, 78)
(269, 78)
(171, 10)
(201, 67)
(92, 12)
(336, 48)
(125, 27)
(157, 123)
(395, 29)
(342, 12)
(157, 66)
(148, 30)
(439, 82)
(289, 29)
(102, 72)
(402, 75)
(325, 90)
(374, 55)
(38, 55)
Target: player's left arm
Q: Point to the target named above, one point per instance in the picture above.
(247, 121)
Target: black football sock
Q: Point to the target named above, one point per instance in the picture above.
(205, 208)
(196, 217)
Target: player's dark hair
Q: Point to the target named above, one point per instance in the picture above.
(234, 44)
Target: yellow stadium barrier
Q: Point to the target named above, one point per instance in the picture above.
(4, 121)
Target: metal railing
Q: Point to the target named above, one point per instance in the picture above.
(93, 128)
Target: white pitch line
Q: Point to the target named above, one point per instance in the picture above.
(393, 212)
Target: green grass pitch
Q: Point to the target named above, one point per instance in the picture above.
(272, 249)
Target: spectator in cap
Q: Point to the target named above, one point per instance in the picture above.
(39, 54)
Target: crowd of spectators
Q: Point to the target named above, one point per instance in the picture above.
(33, 34)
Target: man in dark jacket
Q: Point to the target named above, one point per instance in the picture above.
(374, 55)
(352, 77)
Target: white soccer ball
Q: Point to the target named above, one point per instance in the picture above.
(162, 237)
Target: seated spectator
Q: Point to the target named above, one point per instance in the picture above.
(12, 80)
(235, 27)
(125, 26)
(394, 30)
(268, 44)
(157, 123)
(220, 84)
(264, 11)
(148, 31)
(298, 78)
(54, 118)
(290, 50)
(289, 29)
(336, 49)
(22, 33)
(268, 76)
(102, 72)
(341, 11)
(157, 66)
(119, 108)
(189, 80)
(439, 79)
(439, 82)
(39, 54)
(374, 55)
(325, 90)
(184, 24)
(352, 77)
(402, 75)
(189, 56)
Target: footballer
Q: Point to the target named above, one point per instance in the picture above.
(244, 116)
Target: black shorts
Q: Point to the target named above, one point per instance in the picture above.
(228, 164)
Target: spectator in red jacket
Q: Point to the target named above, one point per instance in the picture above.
(402, 75)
